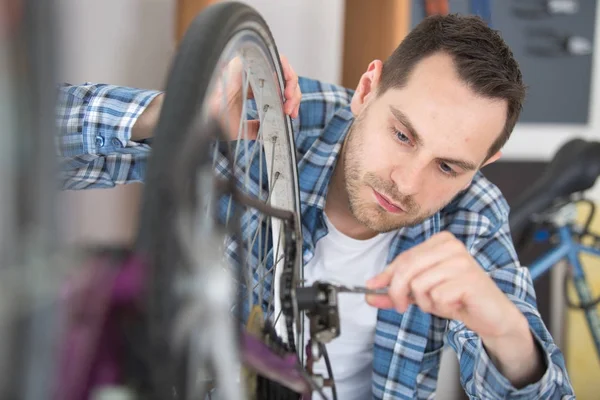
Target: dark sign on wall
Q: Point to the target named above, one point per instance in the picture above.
(552, 40)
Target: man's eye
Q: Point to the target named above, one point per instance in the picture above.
(447, 169)
(402, 137)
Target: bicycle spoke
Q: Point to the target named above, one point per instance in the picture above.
(229, 142)
(278, 315)
(259, 144)
(259, 138)
(274, 140)
(272, 186)
(248, 268)
(260, 269)
(260, 220)
(266, 274)
(244, 122)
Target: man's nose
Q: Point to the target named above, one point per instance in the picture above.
(409, 178)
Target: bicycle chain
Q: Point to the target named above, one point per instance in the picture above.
(289, 307)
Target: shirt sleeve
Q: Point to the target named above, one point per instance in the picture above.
(479, 376)
(94, 135)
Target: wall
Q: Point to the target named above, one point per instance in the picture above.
(308, 32)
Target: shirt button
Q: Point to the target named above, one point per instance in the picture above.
(116, 142)
(99, 141)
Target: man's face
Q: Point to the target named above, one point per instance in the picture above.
(410, 151)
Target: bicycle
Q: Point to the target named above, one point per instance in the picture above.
(153, 321)
(213, 284)
(547, 213)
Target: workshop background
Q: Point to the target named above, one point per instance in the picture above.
(131, 43)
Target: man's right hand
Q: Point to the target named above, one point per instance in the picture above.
(234, 87)
(144, 126)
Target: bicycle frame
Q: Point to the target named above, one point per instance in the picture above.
(569, 249)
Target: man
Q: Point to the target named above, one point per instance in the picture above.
(397, 201)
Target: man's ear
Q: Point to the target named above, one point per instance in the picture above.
(490, 160)
(367, 86)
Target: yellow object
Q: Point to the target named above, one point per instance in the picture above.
(583, 362)
(254, 327)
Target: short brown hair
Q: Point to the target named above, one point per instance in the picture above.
(482, 59)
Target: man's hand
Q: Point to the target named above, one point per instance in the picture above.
(227, 96)
(442, 278)
(228, 108)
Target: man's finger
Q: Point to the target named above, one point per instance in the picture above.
(382, 301)
(418, 289)
(448, 298)
(422, 284)
(413, 261)
(423, 262)
(250, 92)
(292, 105)
(291, 83)
(291, 93)
(443, 271)
(408, 264)
(298, 97)
(399, 292)
(288, 72)
(383, 279)
(252, 129)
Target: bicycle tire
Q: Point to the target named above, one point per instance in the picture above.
(186, 88)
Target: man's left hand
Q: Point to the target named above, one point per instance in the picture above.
(442, 278)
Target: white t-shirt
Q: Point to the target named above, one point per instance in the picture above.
(341, 259)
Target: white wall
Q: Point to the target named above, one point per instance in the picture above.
(309, 33)
(123, 42)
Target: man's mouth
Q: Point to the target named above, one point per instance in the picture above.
(386, 203)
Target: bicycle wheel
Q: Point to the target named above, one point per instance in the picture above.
(198, 239)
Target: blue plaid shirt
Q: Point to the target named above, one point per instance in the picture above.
(95, 151)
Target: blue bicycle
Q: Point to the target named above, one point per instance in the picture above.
(547, 212)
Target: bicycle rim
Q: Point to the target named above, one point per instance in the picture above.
(187, 225)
